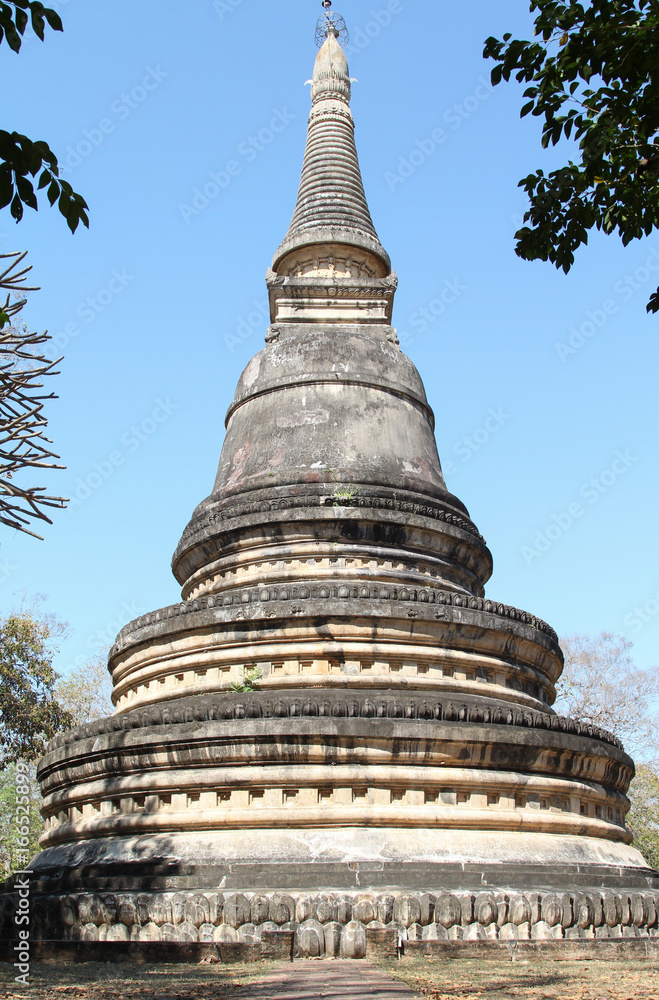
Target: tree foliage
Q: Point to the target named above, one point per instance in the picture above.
(23, 442)
(22, 158)
(600, 684)
(29, 712)
(86, 692)
(593, 72)
(17, 848)
(643, 818)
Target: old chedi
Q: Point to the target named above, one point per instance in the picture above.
(394, 758)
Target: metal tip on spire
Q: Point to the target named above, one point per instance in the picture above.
(331, 24)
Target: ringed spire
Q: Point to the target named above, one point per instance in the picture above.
(331, 205)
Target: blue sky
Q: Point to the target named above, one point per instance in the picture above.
(543, 386)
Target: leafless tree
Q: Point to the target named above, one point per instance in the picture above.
(602, 685)
(23, 367)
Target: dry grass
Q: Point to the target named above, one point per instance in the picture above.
(110, 981)
(442, 979)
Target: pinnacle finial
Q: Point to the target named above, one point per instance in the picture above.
(331, 24)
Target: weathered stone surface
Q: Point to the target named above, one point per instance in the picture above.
(118, 932)
(324, 908)
(187, 932)
(331, 560)
(353, 940)
(150, 932)
(206, 932)
(448, 910)
(282, 908)
(197, 911)
(225, 934)
(159, 910)
(247, 933)
(364, 909)
(259, 909)
(237, 910)
(311, 939)
(551, 909)
(407, 909)
(385, 908)
(485, 909)
(333, 931)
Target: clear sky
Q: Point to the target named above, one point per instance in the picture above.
(543, 386)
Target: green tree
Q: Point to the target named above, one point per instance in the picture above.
(593, 71)
(643, 818)
(24, 162)
(29, 712)
(21, 824)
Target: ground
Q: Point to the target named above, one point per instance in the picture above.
(440, 979)
(432, 978)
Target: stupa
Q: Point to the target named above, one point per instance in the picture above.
(335, 731)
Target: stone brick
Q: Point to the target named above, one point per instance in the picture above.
(160, 910)
(216, 907)
(150, 932)
(168, 932)
(474, 932)
(353, 940)
(324, 908)
(118, 932)
(126, 911)
(206, 932)
(197, 910)
(187, 932)
(344, 909)
(415, 932)
(332, 933)
(584, 911)
(259, 909)
(311, 939)
(282, 908)
(639, 910)
(303, 909)
(542, 931)
(427, 901)
(509, 932)
(364, 909)
(448, 910)
(179, 899)
(385, 908)
(407, 909)
(247, 932)
(551, 909)
(89, 932)
(519, 910)
(612, 909)
(485, 909)
(225, 934)
(142, 903)
(236, 910)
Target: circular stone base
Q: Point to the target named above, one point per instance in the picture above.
(336, 924)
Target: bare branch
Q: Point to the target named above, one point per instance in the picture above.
(23, 444)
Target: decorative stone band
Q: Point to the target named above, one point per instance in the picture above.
(336, 924)
(218, 514)
(411, 707)
(422, 603)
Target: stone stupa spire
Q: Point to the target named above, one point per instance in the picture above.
(331, 203)
(334, 736)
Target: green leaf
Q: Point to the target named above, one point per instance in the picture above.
(17, 208)
(53, 18)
